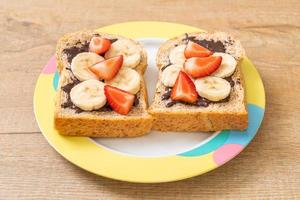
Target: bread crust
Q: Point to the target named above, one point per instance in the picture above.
(191, 118)
(198, 121)
(96, 124)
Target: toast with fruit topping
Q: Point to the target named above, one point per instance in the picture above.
(200, 85)
(101, 91)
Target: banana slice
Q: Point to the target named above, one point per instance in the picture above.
(227, 66)
(177, 55)
(88, 95)
(80, 65)
(169, 75)
(129, 49)
(212, 88)
(127, 79)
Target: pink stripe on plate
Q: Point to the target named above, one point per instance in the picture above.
(50, 67)
(226, 152)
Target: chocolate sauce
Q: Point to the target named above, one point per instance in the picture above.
(69, 104)
(74, 50)
(105, 108)
(215, 46)
(77, 110)
(113, 40)
(164, 67)
(202, 102)
(171, 103)
(186, 38)
(71, 53)
(136, 100)
(67, 88)
(212, 45)
(79, 48)
(223, 100)
(167, 94)
(229, 79)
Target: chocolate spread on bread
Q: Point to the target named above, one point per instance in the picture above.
(201, 101)
(71, 53)
(79, 48)
(74, 50)
(69, 104)
(215, 46)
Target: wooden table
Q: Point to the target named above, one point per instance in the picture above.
(269, 168)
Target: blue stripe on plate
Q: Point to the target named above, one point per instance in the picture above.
(231, 136)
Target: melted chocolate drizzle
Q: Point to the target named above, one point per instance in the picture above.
(229, 79)
(167, 94)
(201, 101)
(71, 53)
(79, 48)
(113, 40)
(212, 45)
(74, 50)
(164, 67)
(105, 108)
(77, 110)
(67, 88)
(171, 103)
(215, 46)
(69, 104)
(136, 100)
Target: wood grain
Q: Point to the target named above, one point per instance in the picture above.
(270, 32)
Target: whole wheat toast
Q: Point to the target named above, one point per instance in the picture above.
(229, 114)
(69, 120)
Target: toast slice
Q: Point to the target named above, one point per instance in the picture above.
(104, 122)
(230, 113)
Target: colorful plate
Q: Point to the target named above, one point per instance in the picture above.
(155, 157)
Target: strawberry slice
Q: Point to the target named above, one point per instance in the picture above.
(199, 67)
(195, 50)
(99, 45)
(184, 89)
(109, 68)
(119, 100)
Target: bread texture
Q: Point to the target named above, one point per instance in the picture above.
(231, 114)
(100, 123)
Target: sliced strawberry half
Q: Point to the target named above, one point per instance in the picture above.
(119, 100)
(109, 68)
(184, 89)
(195, 50)
(199, 67)
(99, 45)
